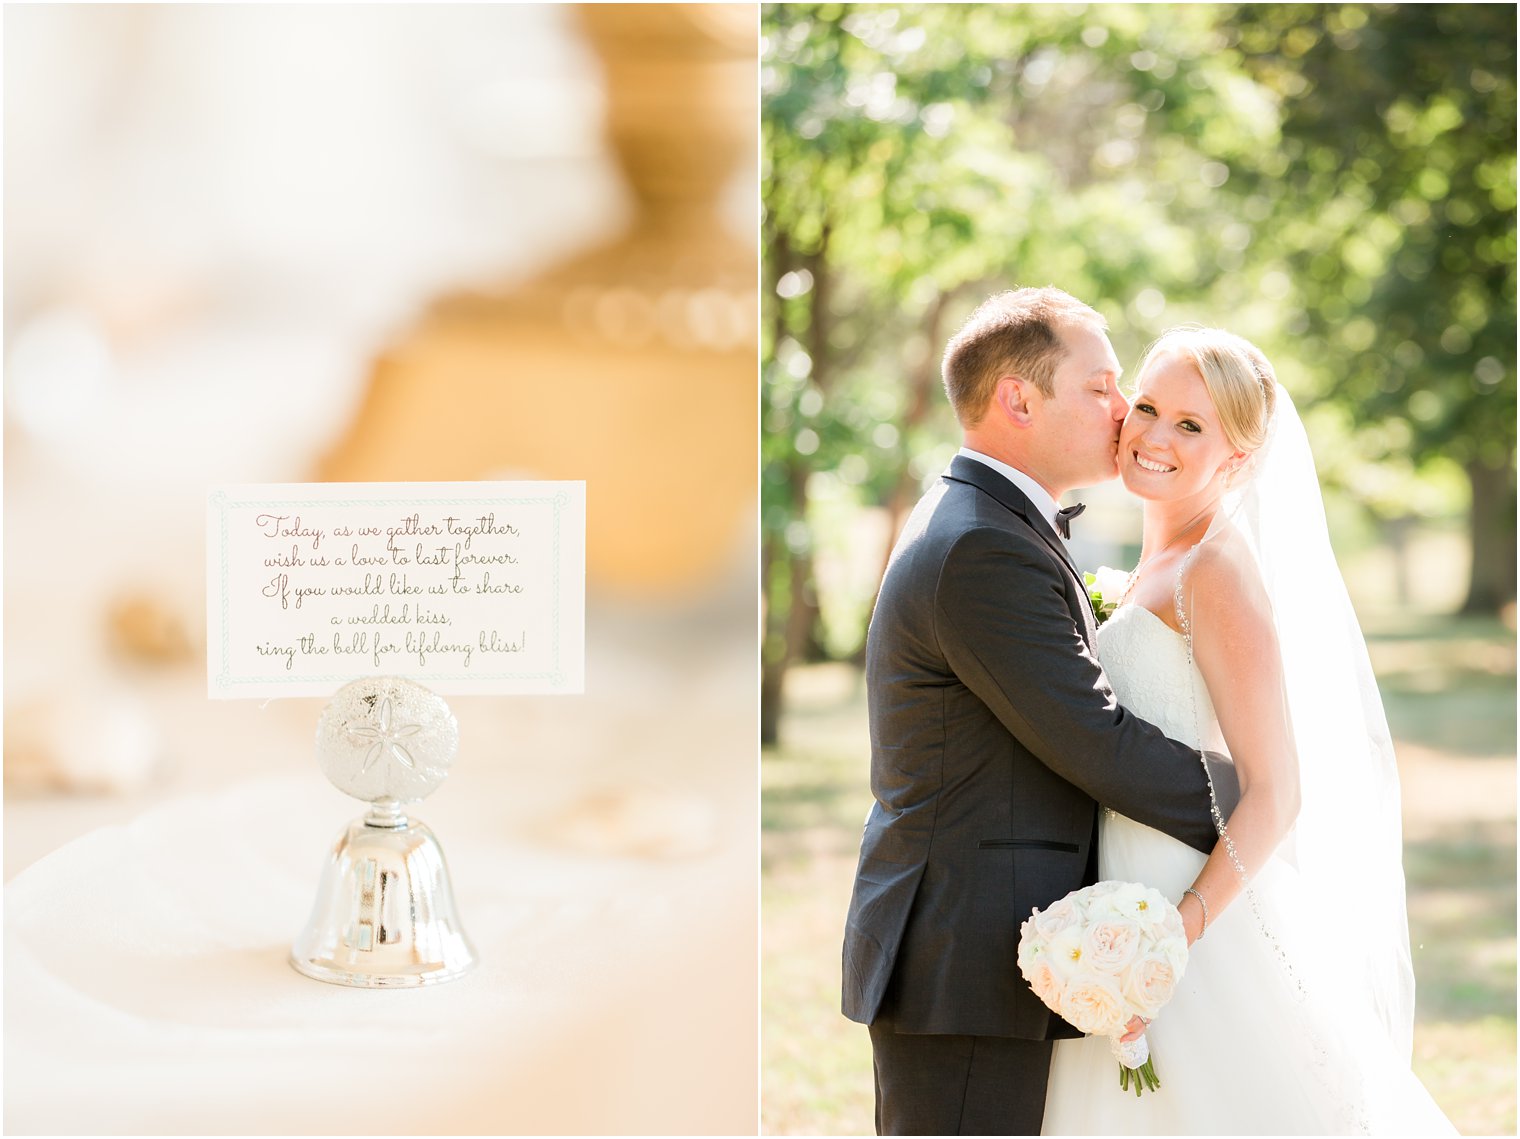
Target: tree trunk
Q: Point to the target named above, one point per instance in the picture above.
(773, 661)
(1491, 585)
(1396, 536)
(922, 382)
(772, 650)
(788, 630)
(789, 633)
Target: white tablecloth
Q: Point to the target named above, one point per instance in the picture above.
(147, 988)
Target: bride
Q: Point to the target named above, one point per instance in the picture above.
(1234, 632)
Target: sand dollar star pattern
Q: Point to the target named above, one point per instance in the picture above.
(386, 738)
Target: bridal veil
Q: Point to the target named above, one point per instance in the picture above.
(1353, 970)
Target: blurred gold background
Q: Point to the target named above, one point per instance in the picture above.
(250, 244)
(641, 350)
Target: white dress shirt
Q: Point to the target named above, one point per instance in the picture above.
(1033, 490)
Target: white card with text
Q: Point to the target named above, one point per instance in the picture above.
(465, 587)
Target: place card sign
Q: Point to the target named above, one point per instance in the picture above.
(465, 587)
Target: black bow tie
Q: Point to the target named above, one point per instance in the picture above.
(1064, 517)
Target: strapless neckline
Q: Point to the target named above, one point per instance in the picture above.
(1152, 614)
(1154, 676)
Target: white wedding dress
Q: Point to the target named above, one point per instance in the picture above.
(1238, 1051)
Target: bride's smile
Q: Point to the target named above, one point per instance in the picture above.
(1172, 445)
(1146, 464)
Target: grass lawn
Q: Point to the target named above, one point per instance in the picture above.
(1449, 687)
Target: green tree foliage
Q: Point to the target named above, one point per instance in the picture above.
(1397, 219)
(1154, 160)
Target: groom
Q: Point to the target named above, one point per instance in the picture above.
(994, 734)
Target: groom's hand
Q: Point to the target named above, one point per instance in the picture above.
(1221, 769)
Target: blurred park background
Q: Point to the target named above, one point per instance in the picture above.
(1335, 182)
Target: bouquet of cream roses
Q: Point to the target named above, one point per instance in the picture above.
(1102, 955)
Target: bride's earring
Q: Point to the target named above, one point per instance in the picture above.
(1233, 467)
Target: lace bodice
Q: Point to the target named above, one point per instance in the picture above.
(1147, 663)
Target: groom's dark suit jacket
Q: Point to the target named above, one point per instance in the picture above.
(994, 737)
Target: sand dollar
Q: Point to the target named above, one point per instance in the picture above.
(386, 738)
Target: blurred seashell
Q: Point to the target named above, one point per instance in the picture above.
(94, 741)
(637, 823)
(146, 628)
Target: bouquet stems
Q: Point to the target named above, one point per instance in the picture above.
(1142, 1078)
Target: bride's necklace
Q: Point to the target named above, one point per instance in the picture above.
(1134, 574)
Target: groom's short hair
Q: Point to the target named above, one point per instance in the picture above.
(1013, 333)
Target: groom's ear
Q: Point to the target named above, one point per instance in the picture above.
(1012, 398)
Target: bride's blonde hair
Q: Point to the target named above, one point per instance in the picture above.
(1238, 376)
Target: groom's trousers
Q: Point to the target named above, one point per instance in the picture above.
(937, 1084)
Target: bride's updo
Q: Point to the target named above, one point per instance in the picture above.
(1239, 378)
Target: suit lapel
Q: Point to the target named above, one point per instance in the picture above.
(985, 479)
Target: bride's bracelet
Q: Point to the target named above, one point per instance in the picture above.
(1204, 927)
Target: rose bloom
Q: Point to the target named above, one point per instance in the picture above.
(1176, 952)
(1150, 983)
(1031, 945)
(1119, 906)
(1046, 985)
(1055, 918)
(1093, 1004)
(1111, 583)
(1098, 899)
(1172, 926)
(1109, 945)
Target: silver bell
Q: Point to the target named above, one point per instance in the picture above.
(384, 915)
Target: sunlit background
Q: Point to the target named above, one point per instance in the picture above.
(250, 243)
(1335, 182)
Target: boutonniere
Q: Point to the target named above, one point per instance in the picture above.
(1105, 590)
